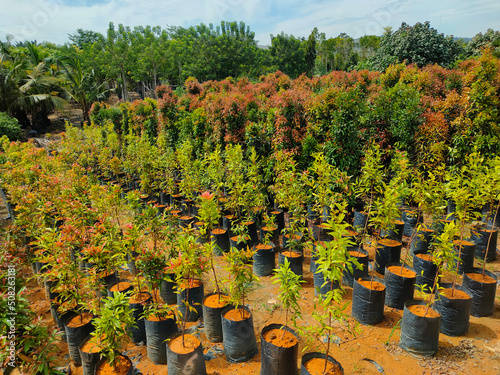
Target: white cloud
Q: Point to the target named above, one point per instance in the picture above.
(53, 20)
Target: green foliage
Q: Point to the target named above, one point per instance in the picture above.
(288, 55)
(289, 291)
(291, 193)
(369, 45)
(268, 222)
(111, 327)
(336, 113)
(30, 88)
(338, 53)
(332, 257)
(84, 38)
(311, 52)
(489, 187)
(386, 208)
(190, 168)
(235, 177)
(444, 254)
(463, 187)
(332, 260)
(372, 175)
(480, 42)
(428, 192)
(478, 126)
(190, 264)
(209, 211)
(240, 275)
(10, 127)
(309, 147)
(35, 344)
(328, 185)
(418, 44)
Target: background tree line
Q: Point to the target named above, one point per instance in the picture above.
(37, 78)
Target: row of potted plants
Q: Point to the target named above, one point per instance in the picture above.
(92, 222)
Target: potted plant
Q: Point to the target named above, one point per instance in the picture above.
(290, 190)
(421, 323)
(241, 239)
(487, 194)
(151, 265)
(77, 299)
(279, 342)
(463, 190)
(327, 185)
(185, 350)
(386, 209)
(213, 303)
(429, 194)
(160, 324)
(191, 177)
(254, 199)
(238, 334)
(332, 259)
(452, 302)
(400, 178)
(264, 261)
(188, 268)
(35, 344)
(367, 187)
(111, 328)
(467, 190)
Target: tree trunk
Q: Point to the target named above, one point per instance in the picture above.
(154, 82)
(124, 86)
(85, 110)
(180, 75)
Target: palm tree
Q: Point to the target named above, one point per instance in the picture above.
(82, 86)
(32, 84)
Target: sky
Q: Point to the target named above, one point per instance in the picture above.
(53, 20)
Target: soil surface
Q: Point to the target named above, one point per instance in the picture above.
(316, 366)
(190, 344)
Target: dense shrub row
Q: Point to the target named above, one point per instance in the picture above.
(435, 114)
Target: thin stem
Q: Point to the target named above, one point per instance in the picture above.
(286, 324)
(433, 289)
(462, 227)
(328, 341)
(411, 239)
(185, 315)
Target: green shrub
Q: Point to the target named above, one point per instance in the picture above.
(10, 127)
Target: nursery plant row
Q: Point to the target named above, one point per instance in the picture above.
(98, 203)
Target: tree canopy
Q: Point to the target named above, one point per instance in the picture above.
(40, 77)
(419, 44)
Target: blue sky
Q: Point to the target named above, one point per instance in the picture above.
(53, 20)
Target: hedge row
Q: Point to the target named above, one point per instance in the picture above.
(435, 114)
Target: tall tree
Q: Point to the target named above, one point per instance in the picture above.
(32, 83)
(489, 40)
(83, 38)
(114, 54)
(369, 45)
(336, 54)
(311, 51)
(150, 49)
(82, 85)
(287, 54)
(418, 44)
